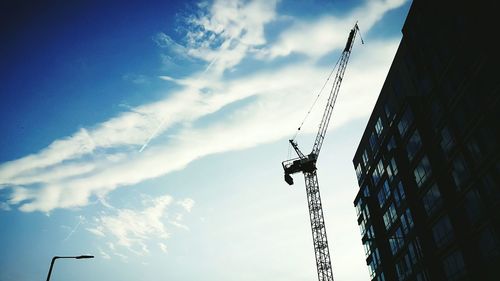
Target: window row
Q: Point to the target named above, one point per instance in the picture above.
(407, 264)
(374, 143)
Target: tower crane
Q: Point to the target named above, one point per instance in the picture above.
(307, 165)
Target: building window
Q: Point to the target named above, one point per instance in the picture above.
(375, 176)
(367, 245)
(459, 172)
(378, 172)
(391, 144)
(432, 200)
(366, 162)
(362, 227)
(488, 244)
(359, 172)
(422, 276)
(396, 241)
(405, 122)
(375, 262)
(392, 170)
(418, 249)
(379, 127)
(442, 232)
(372, 269)
(380, 167)
(401, 190)
(403, 268)
(383, 194)
(370, 232)
(475, 150)
(406, 221)
(389, 110)
(381, 277)
(359, 206)
(412, 254)
(366, 213)
(414, 145)
(376, 257)
(399, 194)
(472, 206)
(446, 140)
(390, 216)
(423, 171)
(366, 191)
(453, 265)
(489, 185)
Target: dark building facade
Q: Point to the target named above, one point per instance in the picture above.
(428, 163)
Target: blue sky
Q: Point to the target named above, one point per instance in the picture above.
(150, 134)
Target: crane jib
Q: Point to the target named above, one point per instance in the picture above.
(349, 40)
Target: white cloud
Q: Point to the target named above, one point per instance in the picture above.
(163, 247)
(95, 161)
(186, 203)
(4, 206)
(103, 254)
(134, 230)
(96, 231)
(225, 32)
(319, 37)
(130, 227)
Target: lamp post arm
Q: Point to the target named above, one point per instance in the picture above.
(51, 266)
(65, 257)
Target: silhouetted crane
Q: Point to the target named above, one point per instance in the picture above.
(307, 165)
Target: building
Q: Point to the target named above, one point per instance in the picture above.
(428, 162)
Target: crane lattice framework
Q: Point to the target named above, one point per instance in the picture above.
(307, 165)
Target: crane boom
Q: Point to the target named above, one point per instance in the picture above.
(307, 165)
(327, 114)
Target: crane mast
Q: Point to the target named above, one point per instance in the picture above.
(307, 165)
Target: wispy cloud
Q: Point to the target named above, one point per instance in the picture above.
(4, 206)
(317, 38)
(97, 160)
(186, 203)
(134, 229)
(138, 79)
(163, 247)
(103, 254)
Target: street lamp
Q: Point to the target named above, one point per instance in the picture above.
(57, 257)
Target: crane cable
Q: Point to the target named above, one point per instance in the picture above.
(316, 100)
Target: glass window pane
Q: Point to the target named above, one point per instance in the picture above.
(414, 145)
(405, 122)
(390, 216)
(379, 127)
(391, 144)
(446, 140)
(459, 172)
(432, 200)
(442, 232)
(489, 244)
(453, 265)
(423, 171)
(472, 206)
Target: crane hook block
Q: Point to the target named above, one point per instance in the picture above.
(289, 179)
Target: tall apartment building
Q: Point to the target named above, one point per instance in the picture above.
(428, 162)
